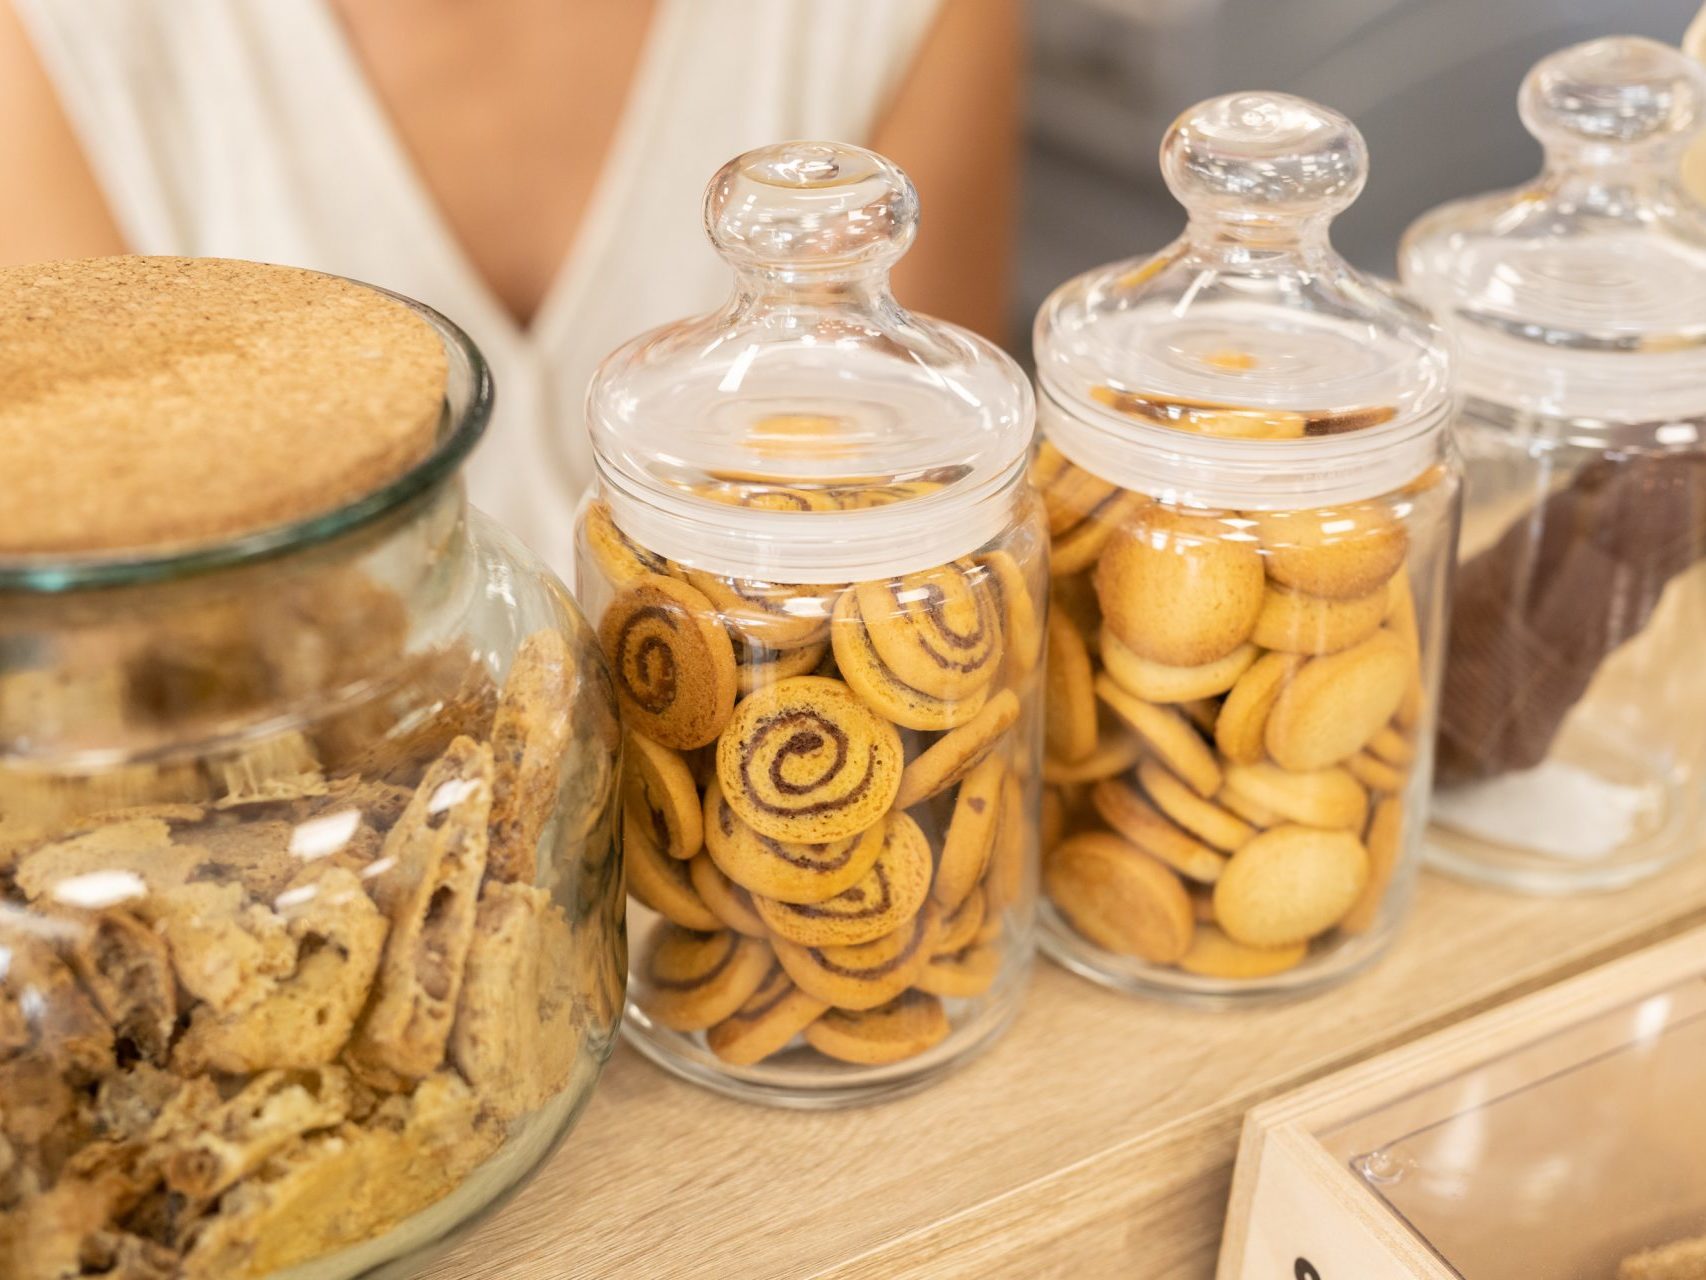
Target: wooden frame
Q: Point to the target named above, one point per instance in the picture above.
(1297, 1210)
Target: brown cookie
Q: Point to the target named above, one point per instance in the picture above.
(1069, 694)
(659, 791)
(865, 975)
(1159, 682)
(691, 981)
(766, 1024)
(1119, 897)
(532, 730)
(1204, 819)
(970, 839)
(883, 690)
(938, 631)
(663, 883)
(1241, 727)
(1321, 798)
(1290, 884)
(1336, 552)
(617, 557)
(1167, 734)
(883, 900)
(788, 871)
(903, 1028)
(1292, 622)
(957, 752)
(1134, 818)
(1019, 616)
(1335, 704)
(730, 903)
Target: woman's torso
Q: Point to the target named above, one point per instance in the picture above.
(246, 128)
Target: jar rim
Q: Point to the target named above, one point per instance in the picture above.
(467, 409)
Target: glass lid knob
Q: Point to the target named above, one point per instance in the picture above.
(1619, 92)
(1263, 158)
(810, 206)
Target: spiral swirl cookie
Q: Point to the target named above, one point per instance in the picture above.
(881, 688)
(619, 558)
(672, 662)
(885, 898)
(771, 1018)
(863, 975)
(805, 760)
(692, 981)
(785, 870)
(903, 1028)
(938, 631)
(768, 614)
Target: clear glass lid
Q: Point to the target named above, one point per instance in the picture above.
(811, 430)
(1578, 295)
(1247, 361)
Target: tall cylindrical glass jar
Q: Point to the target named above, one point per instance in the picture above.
(818, 576)
(1252, 504)
(311, 940)
(1572, 747)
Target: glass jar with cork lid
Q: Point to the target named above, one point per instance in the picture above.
(817, 573)
(311, 943)
(1252, 504)
(1572, 749)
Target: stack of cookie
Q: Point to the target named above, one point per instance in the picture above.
(267, 1002)
(825, 791)
(1232, 708)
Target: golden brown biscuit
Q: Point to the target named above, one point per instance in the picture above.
(804, 759)
(1010, 857)
(938, 631)
(663, 883)
(1374, 773)
(658, 789)
(868, 974)
(1202, 712)
(787, 871)
(758, 494)
(1180, 588)
(1202, 902)
(1134, 818)
(691, 981)
(1257, 815)
(1167, 734)
(1076, 549)
(963, 974)
(1385, 844)
(888, 895)
(1117, 749)
(959, 927)
(1069, 694)
(671, 660)
(1214, 955)
(1322, 798)
(957, 752)
(206, 1145)
(1204, 819)
(903, 1028)
(1241, 727)
(770, 615)
(1330, 709)
(1401, 618)
(1047, 464)
(619, 558)
(1071, 493)
(970, 839)
(438, 850)
(1292, 622)
(1051, 820)
(1393, 747)
(1024, 626)
(1119, 897)
(1336, 552)
(1158, 682)
(757, 666)
(767, 1023)
(730, 903)
(882, 690)
(1290, 884)
(1075, 599)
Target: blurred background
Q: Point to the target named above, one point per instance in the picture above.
(1431, 83)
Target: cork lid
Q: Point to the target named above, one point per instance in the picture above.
(161, 404)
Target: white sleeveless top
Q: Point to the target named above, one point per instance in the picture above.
(245, 128)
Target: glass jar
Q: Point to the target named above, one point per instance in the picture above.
(1252, 504)
(1572, 746)
(818, 576)
(311, 938)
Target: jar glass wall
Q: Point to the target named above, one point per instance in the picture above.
(310, 885)
(818, 577)
(1572, 752)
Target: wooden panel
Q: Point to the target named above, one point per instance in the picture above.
(1095, 1140)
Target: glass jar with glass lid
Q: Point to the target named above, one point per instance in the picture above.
(1572, 747)
(311, 941)
(818, 577)
(1252, 504)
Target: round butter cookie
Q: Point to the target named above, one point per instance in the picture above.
(1069, 694)
(1290, 884)
(1292, 622)
(1119, 897)
(1214, 955)
(1204, 819)
(1127, 812)
(1331, 708)
(1241, 726)
(1019, 616)
(1336, 552)
(1321, 798)
(1179, 588)
(1384, 841)
(1158, 682)
(1167, 734)
(1077, 548)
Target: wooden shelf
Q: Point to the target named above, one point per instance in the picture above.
(1096, 1139)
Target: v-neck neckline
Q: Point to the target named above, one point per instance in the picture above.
(616, 169)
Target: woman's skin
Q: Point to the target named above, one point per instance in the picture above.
(509, 107)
